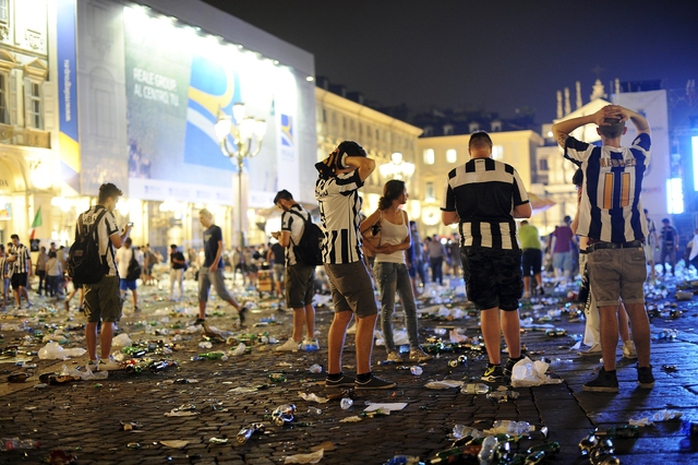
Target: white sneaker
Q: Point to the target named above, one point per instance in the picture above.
(289, 346)
(593, 351)
(109, 365)
(629, 351)
(310, 345)
(394, 356)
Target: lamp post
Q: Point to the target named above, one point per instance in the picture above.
(246, 133)
(397, 169)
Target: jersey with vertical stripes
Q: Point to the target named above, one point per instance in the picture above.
(22, 257)
(610, 209)
(295, 225)
(340, 204)
(105, 229)
(484, 192)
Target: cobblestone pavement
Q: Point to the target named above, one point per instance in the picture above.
(84, 418)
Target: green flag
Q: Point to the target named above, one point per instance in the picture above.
(37, 219)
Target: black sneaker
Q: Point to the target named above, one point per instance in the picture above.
(645, 378)
(344, 381)
(374, 383)
(199, 321)
(509, 367)
(605, 382)
(242, 314)
(493, 374)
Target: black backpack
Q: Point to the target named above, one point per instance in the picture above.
(134, 268)
(84, 264)
(308, 251)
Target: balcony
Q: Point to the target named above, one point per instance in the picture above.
(13, 135)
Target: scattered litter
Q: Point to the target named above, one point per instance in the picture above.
(313, 398)
(386, 408)
(313, 457)
(353, 419)
(527, 373)
(662, 415)
(122, 340)
(175, 444)
(54, 351)
(443, 384)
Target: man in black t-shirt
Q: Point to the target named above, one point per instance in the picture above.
(177, 267)
(670, 244)
(212, 270)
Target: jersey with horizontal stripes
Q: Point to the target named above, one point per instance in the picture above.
(610, 209)
(340, 205)
(105, 229)
(22, 258)
(484, 193)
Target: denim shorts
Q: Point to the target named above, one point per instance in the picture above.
(492, 277)
(615, 273)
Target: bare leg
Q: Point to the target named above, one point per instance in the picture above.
(202, 310)
(527, 285)
(609, 336)
(91, 340)
(364, 343)
(623, 323)
(309, 312)
(298, 322)
(641, 332)
(335, 341)
(489, 324)
(105, 337)
(512, 335)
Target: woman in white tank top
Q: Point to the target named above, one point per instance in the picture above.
(390, 268)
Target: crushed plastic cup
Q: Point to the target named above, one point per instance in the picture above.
(283, 414)
(346, 403)
(416, 370)
(315, 368)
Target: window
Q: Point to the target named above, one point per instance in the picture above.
(378, 134)
(451, 156)
(4, 114)
(4, 13)
(430, 197)
(344, 122)
(361, 129)
(497, 152)
(35, 106)
(474, 127)
(428, 131)
(496, 126)
(543, 165)
(429, 157)
(324, 115)
(448, 129)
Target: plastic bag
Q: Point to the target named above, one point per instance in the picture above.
(122, 340)
(528, 373)
(54, 351)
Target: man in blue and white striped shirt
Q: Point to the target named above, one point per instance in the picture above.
(611, 216)
(341, 175)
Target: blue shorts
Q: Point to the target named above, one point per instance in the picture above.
(126, 284)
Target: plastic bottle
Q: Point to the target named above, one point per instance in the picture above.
(475, 388)
(283, 414)
(9, 444)
(622, 431)
(315, 368)
(503, 396)
(416, 370)
(247, 431)
(346, 403)
(18, 377)
(487, 452)
(446, 456)
(212, 355)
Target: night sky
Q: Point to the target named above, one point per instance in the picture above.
(499, 56)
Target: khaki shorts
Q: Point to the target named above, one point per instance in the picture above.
(615, 273)
(352, 289)
(299, 285)
(103, 300)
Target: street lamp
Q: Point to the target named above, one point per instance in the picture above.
(397, 168)
(246, 132)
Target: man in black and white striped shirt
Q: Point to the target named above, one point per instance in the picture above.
(483, 197)
(21, 270)
(341, 175)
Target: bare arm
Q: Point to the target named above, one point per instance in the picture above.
(638, 121)
(118, 239)
(369, 221)
(365, 165)
(523, 211)
(562, 129)
(449, 217)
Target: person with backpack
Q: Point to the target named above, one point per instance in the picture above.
(129, 272)
(99, 274)
(21, 262)
(299, 276)
(178, 265)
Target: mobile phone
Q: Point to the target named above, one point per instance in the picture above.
(130, 223)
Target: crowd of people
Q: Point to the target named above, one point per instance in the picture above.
(369, 260)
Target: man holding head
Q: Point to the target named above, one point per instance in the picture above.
(611, 217)
(340, 177)
(483, 197)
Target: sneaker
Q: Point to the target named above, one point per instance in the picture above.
(344, 381)
(310, 345)
(136, 309)
(394, 356)
(93, 366)
(605, 382)
(629, 351)
(289, 346)
(242, 314)
(374, 383)
(541, 291)
(418, 355)
(199, 321)
(509, 367)
(493, 374)
(526, 295)
(645, 378)
(593, 351)
(108, 365)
